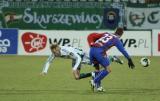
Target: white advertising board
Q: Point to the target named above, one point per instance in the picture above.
(156, 42)
(137, 43)
(37, 42)
(143, 18)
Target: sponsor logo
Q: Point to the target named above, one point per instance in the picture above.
(137, 18)
(12, 17)
(135, 43)
(111, 17)
(33, 42)
(154, 17)
(42, 20)
(75, 42)
(4, 44)
(8, 41)
(159, 42)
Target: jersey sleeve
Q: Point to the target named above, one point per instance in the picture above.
(93, 37)
(47, 63)
(120, 47)
(78, 61)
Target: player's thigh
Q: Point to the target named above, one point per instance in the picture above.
(103, 60)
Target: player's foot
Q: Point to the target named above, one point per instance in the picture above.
(100, 89)
(116, 59)
(43, 73)
(95, 87)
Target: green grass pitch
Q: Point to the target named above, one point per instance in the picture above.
(20, 81)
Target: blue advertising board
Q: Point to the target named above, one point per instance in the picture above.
(111, 18)
(8, 41)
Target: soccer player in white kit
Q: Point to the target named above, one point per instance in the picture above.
(77, 56)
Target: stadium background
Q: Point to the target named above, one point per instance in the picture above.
(28, 27)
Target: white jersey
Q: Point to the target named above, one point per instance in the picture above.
(71, 52)
(74, 53)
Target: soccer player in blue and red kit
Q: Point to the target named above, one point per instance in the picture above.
(98, 53)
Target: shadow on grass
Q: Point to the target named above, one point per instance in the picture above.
(113, 91)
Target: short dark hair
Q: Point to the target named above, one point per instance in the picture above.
(119, 31)
(53, 46)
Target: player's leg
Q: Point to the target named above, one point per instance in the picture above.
(102, 74)
(94, 63)
(98, 78)
(93, 56)
(115, 59)
(96, 72)
(104, 61)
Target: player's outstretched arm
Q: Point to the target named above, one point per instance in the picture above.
(47, 64)
(120, 47)
(78, 61)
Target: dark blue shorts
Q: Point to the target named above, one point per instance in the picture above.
(97, 54)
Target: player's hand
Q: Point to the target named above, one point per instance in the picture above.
(131, 64)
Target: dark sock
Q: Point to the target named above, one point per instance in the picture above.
(84, 75)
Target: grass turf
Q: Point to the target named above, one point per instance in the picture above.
(20, 81)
